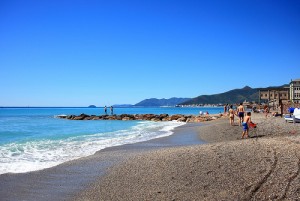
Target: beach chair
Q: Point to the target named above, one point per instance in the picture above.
(296, 119)
(293, 112)
(288, 118)
(253, 127)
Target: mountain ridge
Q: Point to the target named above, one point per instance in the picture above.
(231, 97)
(154, 102)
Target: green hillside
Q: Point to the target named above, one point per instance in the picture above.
(230, 97)
(154, 102)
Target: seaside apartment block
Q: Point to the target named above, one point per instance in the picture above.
(295, 91)
(288, 94)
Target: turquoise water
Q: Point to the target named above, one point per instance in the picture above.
(32, 139)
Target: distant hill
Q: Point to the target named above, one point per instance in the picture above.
(154, 102)
(230, 97)
(233, 96)
(122, 105)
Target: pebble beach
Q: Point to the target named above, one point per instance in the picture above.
(264, 166)
(200, 161)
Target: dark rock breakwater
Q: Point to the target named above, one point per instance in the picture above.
(146, 117)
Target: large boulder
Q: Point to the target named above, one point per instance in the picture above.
(79, 118)
(70, 116)
(96, 118)
(155, 119)
(148, 116)
(113, 117)
(176, 116)
(127, 118)
(163, 116)
(166, 119)
(182, 119)
(84, 115)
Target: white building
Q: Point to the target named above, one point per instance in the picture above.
(295, 91)
(290, 93)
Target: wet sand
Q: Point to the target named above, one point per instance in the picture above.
(265, 166)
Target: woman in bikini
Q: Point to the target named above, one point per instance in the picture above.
(231, 116)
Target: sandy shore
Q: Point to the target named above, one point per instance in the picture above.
(227, 168)
(178, 167)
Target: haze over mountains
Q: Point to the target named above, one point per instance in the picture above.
(233, 96)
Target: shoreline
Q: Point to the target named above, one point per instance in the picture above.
(265, 166)
(64, 181)
(176, 167)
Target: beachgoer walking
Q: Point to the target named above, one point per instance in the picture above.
(266, 110)
(225, 109)
(246, 122)
(240, 112)
(231, 115)
(105, 109)
(111, 110)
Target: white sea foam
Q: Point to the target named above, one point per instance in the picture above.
(41, 154)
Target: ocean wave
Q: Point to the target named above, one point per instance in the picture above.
(40, 154)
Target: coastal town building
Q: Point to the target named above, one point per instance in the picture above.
(295, 91)
(275, 95)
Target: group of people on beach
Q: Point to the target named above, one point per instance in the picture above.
(205, 113)
(244, 120)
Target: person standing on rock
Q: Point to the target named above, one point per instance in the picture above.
(105, 109)
(111, 110)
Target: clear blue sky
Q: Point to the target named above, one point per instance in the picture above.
(77, 53)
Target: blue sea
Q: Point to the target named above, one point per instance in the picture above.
(33, 139)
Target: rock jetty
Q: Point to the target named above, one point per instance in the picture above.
(146, 117)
